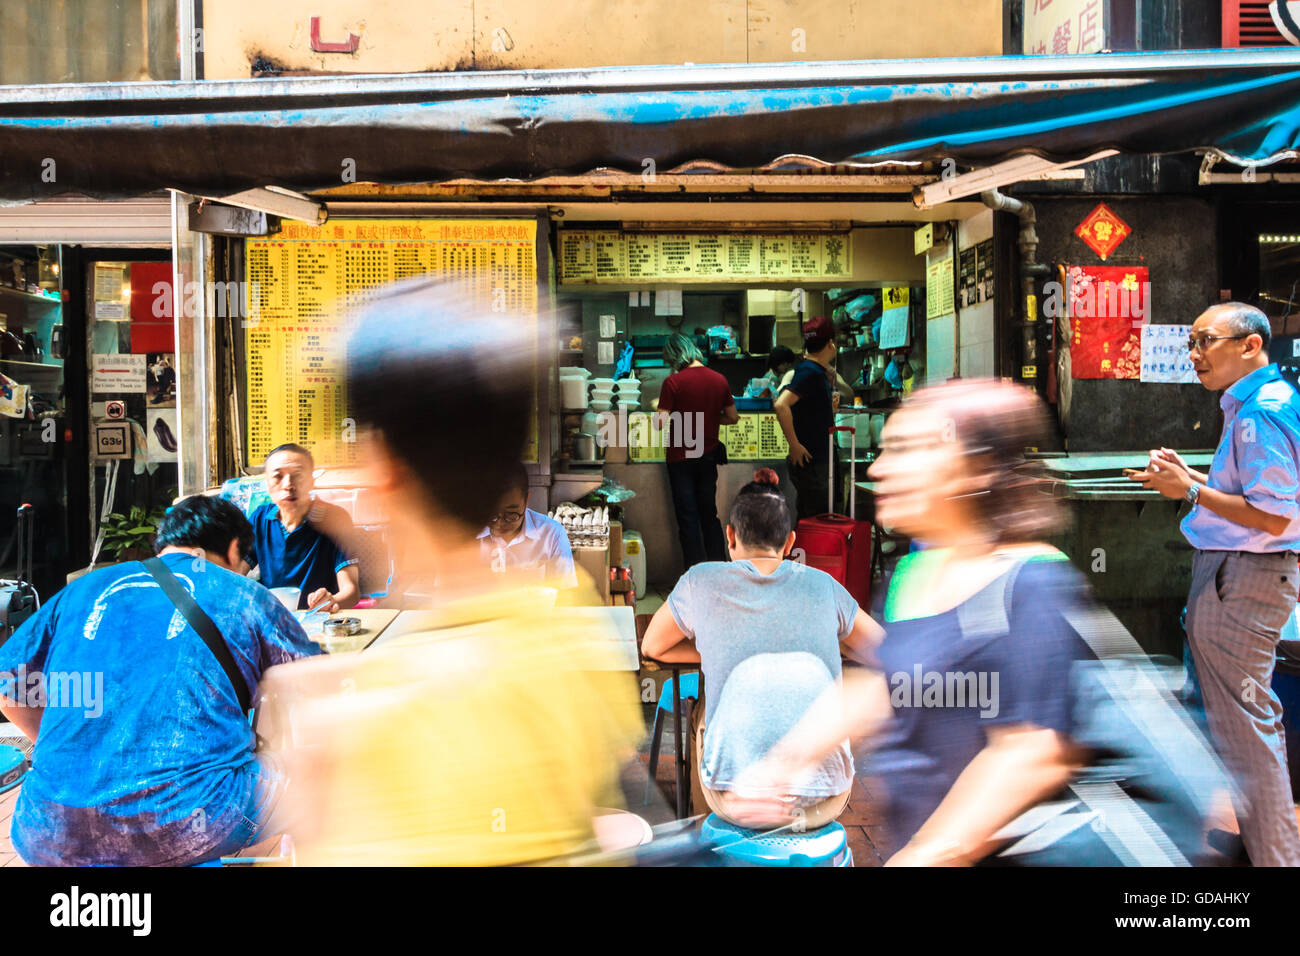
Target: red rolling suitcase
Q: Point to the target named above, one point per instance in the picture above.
(838, 544)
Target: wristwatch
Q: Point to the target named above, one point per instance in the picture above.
(1193, 493)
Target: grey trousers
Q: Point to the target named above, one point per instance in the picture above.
(1235, 612)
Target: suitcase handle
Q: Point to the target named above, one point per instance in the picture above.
(853, 456)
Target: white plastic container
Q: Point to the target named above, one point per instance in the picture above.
(634, 558)
(573, 392)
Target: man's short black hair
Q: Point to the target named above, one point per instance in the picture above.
(200, 521)
(290, 447)
(448, 386)
(519, 481)
(780, 355)
(1245, 319)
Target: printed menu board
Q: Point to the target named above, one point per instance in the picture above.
(303, 283)
(600, 257)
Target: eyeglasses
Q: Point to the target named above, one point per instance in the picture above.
(505, 517)
(1195, 344)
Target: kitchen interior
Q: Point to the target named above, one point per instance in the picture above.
(609, 340)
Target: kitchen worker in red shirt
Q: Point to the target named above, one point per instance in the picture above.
(693, 403)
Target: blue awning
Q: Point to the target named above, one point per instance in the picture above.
(123, 139)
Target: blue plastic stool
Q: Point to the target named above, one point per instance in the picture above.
(825, 846)
(690, 688)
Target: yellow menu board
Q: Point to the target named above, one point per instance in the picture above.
(305, 281)
(589, 256)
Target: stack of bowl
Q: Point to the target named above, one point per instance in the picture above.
(602, 394)
(629, 393)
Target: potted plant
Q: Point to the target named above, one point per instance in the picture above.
(129, 537)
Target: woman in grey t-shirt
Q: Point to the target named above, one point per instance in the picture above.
(768, 634)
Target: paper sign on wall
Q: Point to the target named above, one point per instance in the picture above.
(118, 373)
(1165, 357)
(893, 318)
(108, 293)
(1107, 307)
(938, 288)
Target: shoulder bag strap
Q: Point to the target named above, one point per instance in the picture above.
(203, 626)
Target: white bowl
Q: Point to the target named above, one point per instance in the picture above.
(600, 406)
(289, 597)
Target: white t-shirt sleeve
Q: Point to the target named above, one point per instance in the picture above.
(560, 572)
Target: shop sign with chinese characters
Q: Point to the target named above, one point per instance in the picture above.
(625, 258)
(1102, 231)
(1064, 26)
(1107, 310)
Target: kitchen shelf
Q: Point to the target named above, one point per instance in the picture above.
(20, 362)
(29, 296)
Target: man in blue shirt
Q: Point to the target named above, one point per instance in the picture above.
(143, 756)
(289, 549)
(1245, 526)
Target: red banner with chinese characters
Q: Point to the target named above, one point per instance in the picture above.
(1108, 306)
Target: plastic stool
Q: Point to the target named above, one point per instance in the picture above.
(825, 846)
(690, 689)
(13, 765)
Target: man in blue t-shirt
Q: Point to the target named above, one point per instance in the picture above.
(289, 549)
(143, 756)
(805, 408)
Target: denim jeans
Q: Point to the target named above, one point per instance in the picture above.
(694, 486)
(267, 813)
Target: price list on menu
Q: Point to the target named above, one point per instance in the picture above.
(303, 283)
(593, 257)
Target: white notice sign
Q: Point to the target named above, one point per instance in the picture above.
(118, 373)
(1164, 354)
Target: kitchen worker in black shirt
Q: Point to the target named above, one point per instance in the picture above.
(806, 413)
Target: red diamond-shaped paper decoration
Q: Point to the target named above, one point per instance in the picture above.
(1102, 231)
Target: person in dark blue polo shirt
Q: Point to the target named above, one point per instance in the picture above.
(289, 550)
(805, 410)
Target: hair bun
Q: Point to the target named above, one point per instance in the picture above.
(766, 476)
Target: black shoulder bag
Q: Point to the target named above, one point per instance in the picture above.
(203, 626)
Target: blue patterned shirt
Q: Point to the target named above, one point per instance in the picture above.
(143, 757)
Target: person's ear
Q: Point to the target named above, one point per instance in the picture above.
(1254, 343)
(382, 471)
(789, 543)
(234, 555)
(731, 538)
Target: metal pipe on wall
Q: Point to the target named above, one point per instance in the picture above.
(1031, 372)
